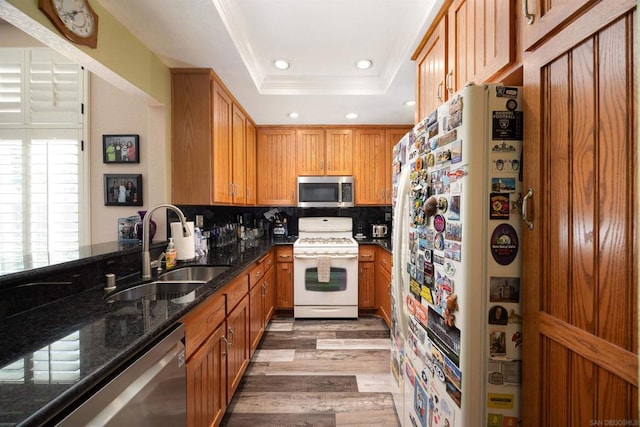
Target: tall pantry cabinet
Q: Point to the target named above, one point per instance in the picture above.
(580, 274)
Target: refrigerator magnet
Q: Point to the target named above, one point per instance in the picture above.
(439, 223)
(498, 315)
(498, 206)
(504, 244)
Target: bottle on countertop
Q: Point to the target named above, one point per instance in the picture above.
(170, 254)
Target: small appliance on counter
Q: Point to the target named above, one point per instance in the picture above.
(279, 228)
(379, 231)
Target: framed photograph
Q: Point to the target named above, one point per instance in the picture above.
(120, 148)
(122, 190)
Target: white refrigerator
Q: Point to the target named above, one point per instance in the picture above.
(456, 309)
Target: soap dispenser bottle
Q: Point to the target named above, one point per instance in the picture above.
(170, 254)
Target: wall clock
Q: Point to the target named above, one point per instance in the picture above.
(75, 19)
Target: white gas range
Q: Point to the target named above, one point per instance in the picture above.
(325, 266)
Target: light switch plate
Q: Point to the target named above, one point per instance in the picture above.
(387, 216)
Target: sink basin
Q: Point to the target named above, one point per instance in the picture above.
(158, 290)
(175, 285)
(199, 273)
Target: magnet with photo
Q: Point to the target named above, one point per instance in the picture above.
(456, 152)
(498, 315)
(504, 289)
(497, 343)
(503, 184)
(454, 208)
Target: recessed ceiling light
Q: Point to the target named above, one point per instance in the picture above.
(293, 115)
(410, 103)
(364, 64)
(281, 64)
(351, 116)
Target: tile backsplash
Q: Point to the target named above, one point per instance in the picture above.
(219, 215)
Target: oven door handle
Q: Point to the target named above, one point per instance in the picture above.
(331, 256)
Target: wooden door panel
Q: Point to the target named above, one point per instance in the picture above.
(580, 280)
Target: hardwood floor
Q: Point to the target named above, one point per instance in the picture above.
(317, 372)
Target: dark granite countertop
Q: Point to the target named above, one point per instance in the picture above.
(110, 334)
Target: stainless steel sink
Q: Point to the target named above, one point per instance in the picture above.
(175, 285)
(158, 290)
(201, 273)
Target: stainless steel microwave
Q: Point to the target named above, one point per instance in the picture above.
(325, 191)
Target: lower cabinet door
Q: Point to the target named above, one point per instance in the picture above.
(207, 381)
(239, 344)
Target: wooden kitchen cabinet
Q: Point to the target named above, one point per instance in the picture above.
(321, 151)
(393, 137)
(339, 152)
(480, 43)
(206, 366)
(222, 145)
(207, 381)
(544, 19)
(238, 185)
(208, 150)
(431, 71)
(260, 299)
(369, 166)
(366, 276)
(581, 146)
(239, 345)
(383, 284)
(276, 167)
(310, 151)
(250, 164)
(284, 277)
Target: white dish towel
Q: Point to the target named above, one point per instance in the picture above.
(324, 269)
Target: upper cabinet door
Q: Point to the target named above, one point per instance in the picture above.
(339, 152)
(276, 167)
(481, 35)
(543, 19)
(432, 68)
(222, 134)
(310, 151)
(238, 155)
(250, 176)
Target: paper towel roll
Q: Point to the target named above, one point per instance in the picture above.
(185, 246)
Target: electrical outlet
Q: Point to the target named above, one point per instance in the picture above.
(199, 221)
(387, 216)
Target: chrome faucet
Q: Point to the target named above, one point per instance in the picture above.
(146, 256)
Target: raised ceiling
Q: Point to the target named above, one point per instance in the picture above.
(323, 40)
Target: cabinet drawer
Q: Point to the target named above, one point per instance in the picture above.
(384, 259)
(267, 261)
(200, 322)
(255, 274)
(366, 253)
(236, 290)
(284, 253)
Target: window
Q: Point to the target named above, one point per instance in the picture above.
(41, 158)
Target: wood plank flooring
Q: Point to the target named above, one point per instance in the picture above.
(317, 372)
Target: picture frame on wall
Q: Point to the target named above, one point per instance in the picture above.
(120, 148)
(122, 189)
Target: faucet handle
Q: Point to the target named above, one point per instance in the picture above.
(157, 263)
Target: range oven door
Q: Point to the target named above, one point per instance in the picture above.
(341, 289)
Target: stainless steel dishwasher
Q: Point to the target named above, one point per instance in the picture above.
(151, 391)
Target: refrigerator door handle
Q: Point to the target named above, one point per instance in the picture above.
(524, 208)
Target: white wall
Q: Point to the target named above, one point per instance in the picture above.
(112, 111)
